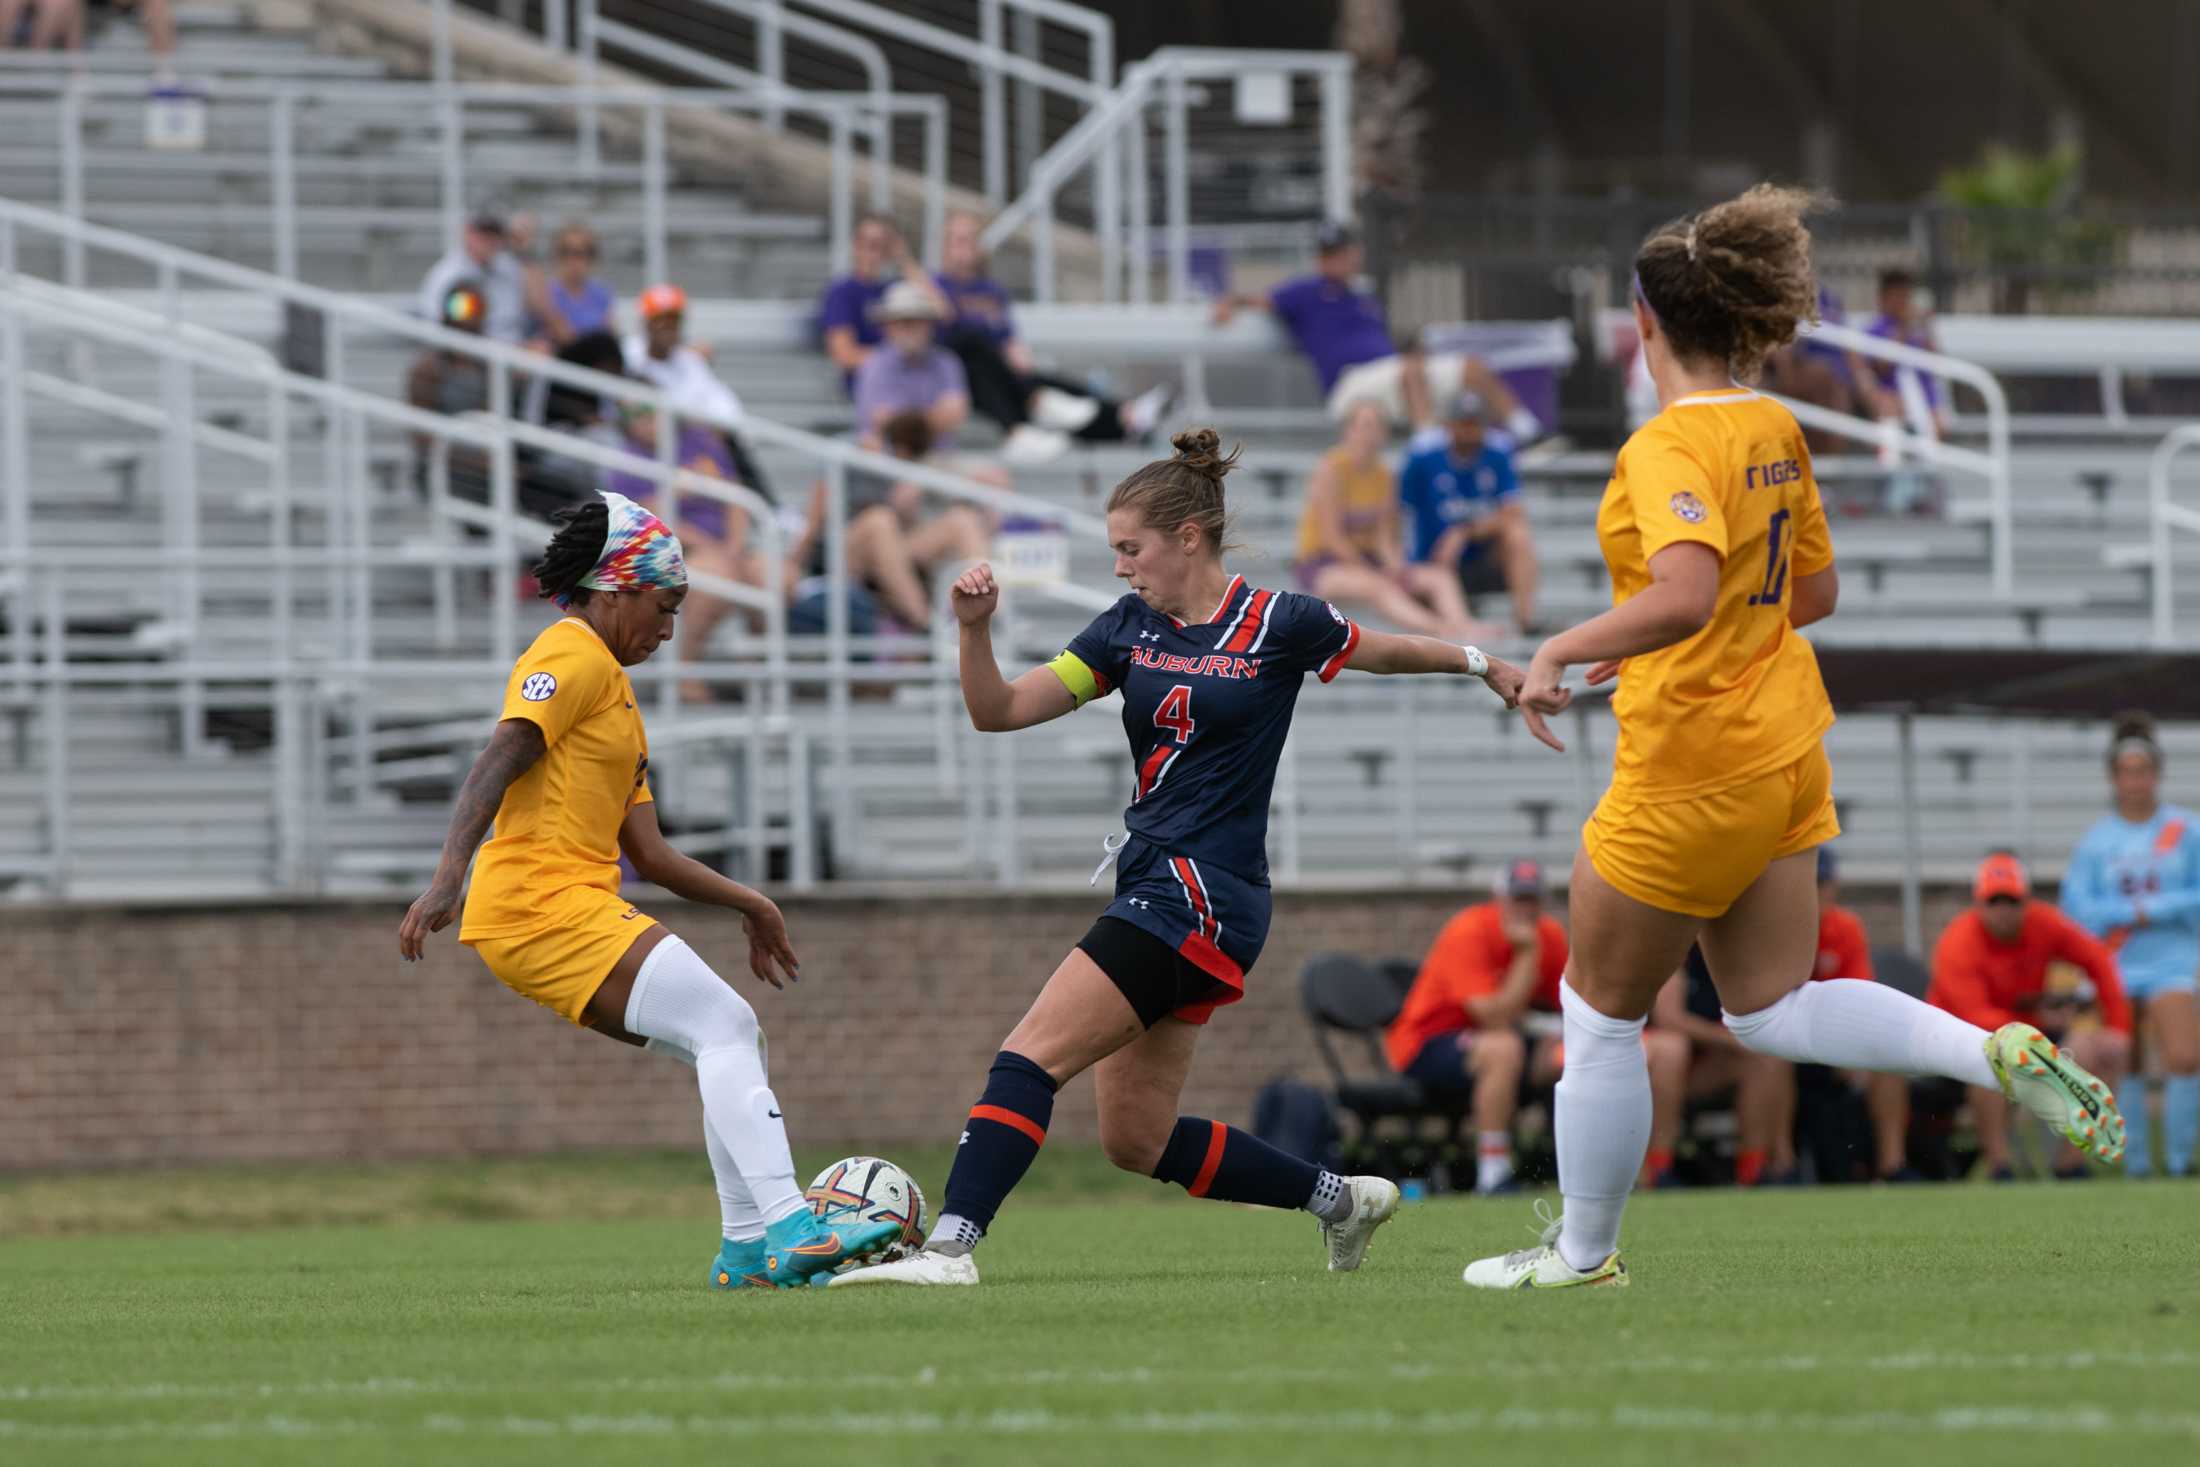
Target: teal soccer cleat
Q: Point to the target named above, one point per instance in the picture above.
(740, 1266)
(801, 1249)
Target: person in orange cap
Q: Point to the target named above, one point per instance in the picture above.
(1990, 968)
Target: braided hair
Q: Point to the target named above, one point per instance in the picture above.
(573, 552)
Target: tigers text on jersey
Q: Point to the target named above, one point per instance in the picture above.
(1741, 697)
(1206, 706)
(558, 826)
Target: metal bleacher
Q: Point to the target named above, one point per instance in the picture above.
(222, 733)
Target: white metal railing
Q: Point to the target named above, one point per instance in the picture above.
(1991, 465)
(844, 114)
(1112, 138)
(2165, 518)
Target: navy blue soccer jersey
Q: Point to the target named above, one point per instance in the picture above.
(1206, 706)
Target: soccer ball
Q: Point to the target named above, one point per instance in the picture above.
(878, 1191)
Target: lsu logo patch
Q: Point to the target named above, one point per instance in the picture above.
(539, 685)
(1689, 507)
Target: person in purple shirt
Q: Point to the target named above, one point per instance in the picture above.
(1340, 328)
(1830, 376)
(1040, 413)
(912, 373)
(1901, 319)
(848, 320)
(578, 303)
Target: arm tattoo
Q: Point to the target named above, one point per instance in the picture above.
(508, 756)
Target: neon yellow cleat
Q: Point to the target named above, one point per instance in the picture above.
(2039, 1075)
(1541, 1267)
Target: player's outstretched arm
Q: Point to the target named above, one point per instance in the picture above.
(513, 749)
(642, 839)
(997, 705)
(1815, 597)
(1390, 652)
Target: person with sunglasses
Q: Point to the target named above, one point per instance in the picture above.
(1990, 968)
(579, 302)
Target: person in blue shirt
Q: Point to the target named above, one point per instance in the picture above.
(1462, 503)
(1341, 329)
(1210, 669)
(2134, 882)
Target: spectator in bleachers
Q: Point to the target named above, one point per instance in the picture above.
(660, 354)
(48, 25)
(1340, 328)
(481, 259)
(1833, 377)
(1460, 488)
(1040, 413)
(1905, 392)
(912, 373)
(1351, 543)
(1990, 968)
(714, 535)
(848, 319)
(894, 542)
(575, 302)
(2134, 882)
(1717, 1064)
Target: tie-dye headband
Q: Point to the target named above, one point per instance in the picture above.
(637, 551)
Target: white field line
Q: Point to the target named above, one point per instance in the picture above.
(1074, 1378)
(2077, 1419)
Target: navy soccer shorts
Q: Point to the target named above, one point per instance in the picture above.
(1210, 919)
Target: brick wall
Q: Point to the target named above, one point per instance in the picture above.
(296, 1033)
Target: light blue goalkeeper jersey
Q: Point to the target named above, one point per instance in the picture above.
(2121, 869)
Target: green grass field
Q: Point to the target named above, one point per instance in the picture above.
(550, 1312)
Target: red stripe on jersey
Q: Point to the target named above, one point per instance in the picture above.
(1336, 664)
(1156, 765)
(1227, 592)
(1195, 893)
(1248, 631)
(1213, 1163)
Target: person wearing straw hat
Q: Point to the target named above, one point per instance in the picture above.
(565, 779)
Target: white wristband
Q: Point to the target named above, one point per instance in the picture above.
(1478, 665)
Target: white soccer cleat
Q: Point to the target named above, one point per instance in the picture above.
(921, 1268)
(1541, 1267)
(1374, 1202)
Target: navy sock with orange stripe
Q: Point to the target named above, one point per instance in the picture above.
(999, 1142)
(1209, 1159)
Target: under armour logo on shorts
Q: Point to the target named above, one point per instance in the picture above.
(539, 685)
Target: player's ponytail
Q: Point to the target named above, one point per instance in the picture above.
(573, 552)
(1184, 489)
(1733, 283)
(2134, 734)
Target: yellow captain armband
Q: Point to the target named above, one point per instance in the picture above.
(1083, 683)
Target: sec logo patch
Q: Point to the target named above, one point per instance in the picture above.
(1689, 507)
(539, 685)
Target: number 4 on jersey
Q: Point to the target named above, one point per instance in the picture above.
(1175, 715)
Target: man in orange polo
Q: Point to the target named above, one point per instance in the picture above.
(1990, 968)
(1491, 965)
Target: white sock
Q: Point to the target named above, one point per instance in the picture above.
(1601, 1115)
(739, 1220)
(953, 1234)
(1493, 1166)
(678, 1000)
(1852, 1024)
(1331, 1199)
